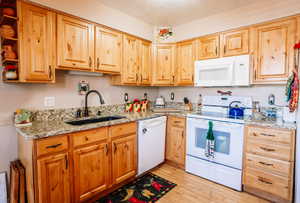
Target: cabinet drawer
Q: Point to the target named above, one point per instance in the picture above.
(89, 136)
(270, 135)
(267, 182)
(123, 129)
(176, 121)
(270, 150)
(51, 145)
(279, 167)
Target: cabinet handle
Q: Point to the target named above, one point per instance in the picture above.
(98, 62)
(86, 138)
(106, 149)
(136, 77)
(115, 148)
(141, 78)
(267, 135)
(224, 48)
(216, 51)
(261, 179)
(267, 149)
(126, 146)
(50, 72)
(53, 146)
(90, 61)
(173, 78)
(177, 121)
(182, 134)
(264, 163)
(66, 161)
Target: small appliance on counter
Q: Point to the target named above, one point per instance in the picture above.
(160, 102)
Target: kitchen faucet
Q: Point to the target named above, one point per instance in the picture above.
(86, 109)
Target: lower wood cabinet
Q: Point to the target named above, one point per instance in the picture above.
(80, 166)
(269, 163)
(176, 139)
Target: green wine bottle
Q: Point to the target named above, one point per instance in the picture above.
(210, 135)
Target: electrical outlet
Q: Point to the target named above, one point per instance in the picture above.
(49, 101)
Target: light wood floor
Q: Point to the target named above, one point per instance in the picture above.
(193, 189)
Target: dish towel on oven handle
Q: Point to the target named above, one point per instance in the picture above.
(210, 142)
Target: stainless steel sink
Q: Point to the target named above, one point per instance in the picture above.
(94, 120)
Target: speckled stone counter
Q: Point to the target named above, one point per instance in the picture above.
(271, 124)
(47, 128)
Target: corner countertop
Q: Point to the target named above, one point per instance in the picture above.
(43, 129)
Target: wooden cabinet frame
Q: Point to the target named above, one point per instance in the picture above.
(209, 47)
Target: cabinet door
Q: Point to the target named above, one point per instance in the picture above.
(175, 148)
(53, 179)
(123, 158)
(37, 57)
(145, 71)
(91, 169)
(186, 56)
(209, 47)
(75, 43)
(273, 52)
(235, 43)
(164, 61)
(130, 60)
(108, 50)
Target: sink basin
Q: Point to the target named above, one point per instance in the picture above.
(95, 120)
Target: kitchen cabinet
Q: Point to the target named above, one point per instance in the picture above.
(209, 47)
(269, 163)
(53, 177)
(91, 166)
(234, 43)
(186, 57)
(176, 141)
(75, 43)
(272, 51)
(79, 166)
(164, 64)
(108, 50)
(145, 71)
(123, 158)
(37, 44)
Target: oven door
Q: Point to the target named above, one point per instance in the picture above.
(228, 141)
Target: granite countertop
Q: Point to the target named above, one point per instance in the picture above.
(42, 129)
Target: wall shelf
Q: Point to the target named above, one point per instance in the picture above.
(10, 61)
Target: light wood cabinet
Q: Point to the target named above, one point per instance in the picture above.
(37, 44)
(91, 166)
(53, 176)
(186, 57)
(176, 141)
(75, 43)
(209, 47)
(145, 68)
(164, 64)
(124, 157)
(108, 50)
(269, 163)
(272, 51)
(234, 43)
(79, 166)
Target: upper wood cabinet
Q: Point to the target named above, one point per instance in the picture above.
(130, 60)
(272, 49)
(75, 43)
(209, 47)
(53, 176)
(164, 58)
(234, 43)
(145, 68)
(186, 57)
(37, 44)
(108, 50)
(91, 166)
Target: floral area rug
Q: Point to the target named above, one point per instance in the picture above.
(146, 189)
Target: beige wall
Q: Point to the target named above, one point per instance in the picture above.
(248, 15)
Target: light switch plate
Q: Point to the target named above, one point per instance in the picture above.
(49, 101)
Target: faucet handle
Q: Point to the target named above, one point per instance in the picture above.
(99, 113)
(86, 112)
(78, 113)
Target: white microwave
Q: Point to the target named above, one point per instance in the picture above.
(227, 71)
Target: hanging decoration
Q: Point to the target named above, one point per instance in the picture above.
(292, 88)
(165, 32)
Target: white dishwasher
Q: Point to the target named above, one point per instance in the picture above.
(151, 143)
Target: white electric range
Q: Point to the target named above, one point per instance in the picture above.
(226, 165)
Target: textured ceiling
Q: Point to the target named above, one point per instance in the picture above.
(174, 12)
